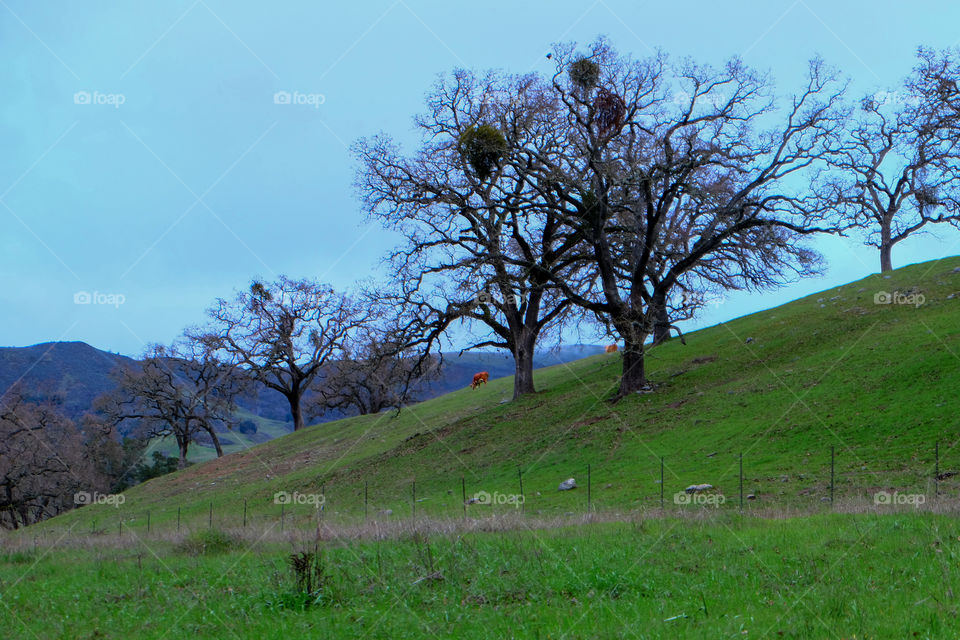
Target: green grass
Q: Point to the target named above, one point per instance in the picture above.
(829, 576)
(876, 383)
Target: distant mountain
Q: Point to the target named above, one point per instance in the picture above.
(75, 370)
(78, 373)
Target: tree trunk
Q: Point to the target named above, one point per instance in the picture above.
(886, 264)
(523, 366)
(634, 376)
(661, 325)
(182, 444)
(216, 441)
(295, 410)
(886, 246)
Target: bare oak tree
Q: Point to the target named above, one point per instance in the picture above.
(671, 174)
(471, 219)
(376, 371)
(180, 391)
(283, 334)
(900, 171)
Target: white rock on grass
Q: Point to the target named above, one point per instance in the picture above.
(567, 484)
(698, 488)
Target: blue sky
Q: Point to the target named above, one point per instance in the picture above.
(145, 158)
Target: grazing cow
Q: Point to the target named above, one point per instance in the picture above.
(611, 348)
(479, 379)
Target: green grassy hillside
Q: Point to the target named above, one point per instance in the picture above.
(877, 382)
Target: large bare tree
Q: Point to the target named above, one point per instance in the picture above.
(283, 334)
(674, 173)
(471, 219)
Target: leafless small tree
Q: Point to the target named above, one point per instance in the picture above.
(378, 371)
(283, 334)
(900, 171)
(180, 391)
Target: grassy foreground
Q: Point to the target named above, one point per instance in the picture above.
(876, 383)
(826, 576)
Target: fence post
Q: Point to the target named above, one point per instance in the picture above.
(413, 504)
(832, 457)
(210, 518)
(463, 490)
(323, 492)
(589, 497)
(936, 470)
(178, 519)
(282, 513)
(741, 480)
(244, 512)
(148, 523)
(661, 482)
(522, 499)
(366, 509)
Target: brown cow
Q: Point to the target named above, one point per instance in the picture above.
(611, 348)
(479, 378)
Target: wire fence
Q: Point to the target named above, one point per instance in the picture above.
(827, 479)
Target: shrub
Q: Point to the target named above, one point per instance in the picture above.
(208, 542)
